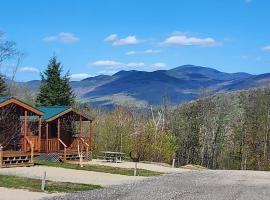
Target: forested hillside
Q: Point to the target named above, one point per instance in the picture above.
(224, 131)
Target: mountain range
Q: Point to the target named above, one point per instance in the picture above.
(140, 88)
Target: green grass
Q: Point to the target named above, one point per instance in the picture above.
(194, 167)
(51, 186)
(100, 168)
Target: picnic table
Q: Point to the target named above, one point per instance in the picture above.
(111, 156)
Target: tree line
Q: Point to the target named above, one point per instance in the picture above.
(225, 131)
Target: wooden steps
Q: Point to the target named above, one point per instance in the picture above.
(16, 159)
(71, 155)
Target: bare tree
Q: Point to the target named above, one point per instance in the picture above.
(7, 49)
(9, 52)
(9, 127)
(158, 121)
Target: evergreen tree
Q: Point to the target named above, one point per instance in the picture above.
(3, 86)
(55, 88)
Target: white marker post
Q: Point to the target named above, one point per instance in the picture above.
(135, 168)
(173, 163)
(43, 181)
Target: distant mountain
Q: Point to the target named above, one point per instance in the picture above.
(142, 88)
(207, 72)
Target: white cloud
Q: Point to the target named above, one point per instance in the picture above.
(126, 41)
(62, 37)
(79, 76)
(150, 51)
(184, 40)
(112, 66)
(147, 51)
(131, 53)
(159, 65)
(266, 48)
(248, 1)
(28, 69)
(111, 38)
(116, 41)
(106, 63)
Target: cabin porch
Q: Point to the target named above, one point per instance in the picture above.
(64, 132)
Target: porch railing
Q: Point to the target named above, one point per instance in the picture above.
(65, 149)
(53, 145)
(34, 141)
(1, 155)
(29, 142)
(50, 145)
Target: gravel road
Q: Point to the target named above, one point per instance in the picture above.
(201, 185)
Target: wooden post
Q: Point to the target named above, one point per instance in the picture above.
(32, 153)
(81, 130)
(81, 126)
(173, 163)
(58, 134)
(90, 135)
(65, 154)
(1, 156)
(87, 154)
(43, 181)
(25, 129)
(47, 135)
(135, 168)
(39, 133)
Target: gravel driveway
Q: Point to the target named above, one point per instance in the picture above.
(195, 185)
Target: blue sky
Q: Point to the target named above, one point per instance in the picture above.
(104, 36)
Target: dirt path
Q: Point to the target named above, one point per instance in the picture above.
(70, 175)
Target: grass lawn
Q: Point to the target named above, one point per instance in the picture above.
(100, 168)
(35, 185)
(193, 167)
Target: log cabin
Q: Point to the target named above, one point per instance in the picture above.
(16, 146)
(64, 132)
(46, 132)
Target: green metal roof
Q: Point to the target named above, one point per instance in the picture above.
(51, 111)
(3, 99)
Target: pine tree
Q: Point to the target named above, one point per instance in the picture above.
(55, 89)
(3, 86)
